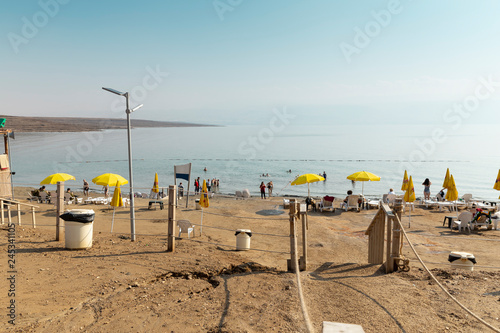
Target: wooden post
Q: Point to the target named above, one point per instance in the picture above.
(60, 210)
(389, 263)
(291, 263)
(376, 232)
(3, 211)
(396, 237)
(18, 213)
(33, 222)
(9, 215)
(172, 195)
(303, 259)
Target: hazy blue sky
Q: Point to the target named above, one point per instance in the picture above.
(233, 61)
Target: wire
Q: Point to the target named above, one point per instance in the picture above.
(439, 284)
(232, 246)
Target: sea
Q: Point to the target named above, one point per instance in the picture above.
(242, 157)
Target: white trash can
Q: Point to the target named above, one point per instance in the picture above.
(197, 203)
(243, 239)
(462, 260)
(79, 228)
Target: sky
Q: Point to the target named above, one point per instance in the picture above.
(235, 61)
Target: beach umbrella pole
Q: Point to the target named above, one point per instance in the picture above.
(201, 223)
(113, 219)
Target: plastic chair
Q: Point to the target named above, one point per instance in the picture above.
(352, 202)
(186, 227)
(463, 221)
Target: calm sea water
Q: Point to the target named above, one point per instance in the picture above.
(239, 155)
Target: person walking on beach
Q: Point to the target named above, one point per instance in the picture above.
(270, 188)
(262, 190)
(85, 188)
(106, 190)
(427, 189)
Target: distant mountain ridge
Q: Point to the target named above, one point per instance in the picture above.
(74, 124)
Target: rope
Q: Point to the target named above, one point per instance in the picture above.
(439, 284)
(261, 250)
(232, 230)
(246, 217)
(448, 263)
(299, 290)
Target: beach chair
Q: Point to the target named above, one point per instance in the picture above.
(68, 199)
(463, 221)
(467, 199)
(186, 227)
(326, 203)
(44, 197)
(352, 203)
(391, 198)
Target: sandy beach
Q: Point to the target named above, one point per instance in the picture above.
(208, 286)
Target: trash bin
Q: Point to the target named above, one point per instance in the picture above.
(462, 260)
(197, 203)
(243, 239)
(79, 227)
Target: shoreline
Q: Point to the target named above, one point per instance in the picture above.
(23, 124)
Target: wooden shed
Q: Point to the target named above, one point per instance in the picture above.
(5, 171)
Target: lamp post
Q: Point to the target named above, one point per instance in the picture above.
(128, 111)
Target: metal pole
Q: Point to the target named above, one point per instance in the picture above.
(131, 183)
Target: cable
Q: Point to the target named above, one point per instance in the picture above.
(439, 284)
(232, 246)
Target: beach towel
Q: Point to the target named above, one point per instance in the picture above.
(4, 162)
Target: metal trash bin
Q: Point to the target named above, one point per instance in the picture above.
(243, 239)
(197, 203)
(462, 260)
(79, 227)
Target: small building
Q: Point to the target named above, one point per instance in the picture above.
(5, 171)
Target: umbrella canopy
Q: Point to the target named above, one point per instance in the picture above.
(497, 183)
(204, 195)
(57, 177)
(452, 193)
(404, 187)
(117, 200)
(156, 189)
(446, 181)
(410, 192)
(109, 179)
(307, 179)
(363, 176)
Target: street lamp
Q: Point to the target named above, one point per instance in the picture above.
(128, 111)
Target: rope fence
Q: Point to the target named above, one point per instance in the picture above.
(439, 284)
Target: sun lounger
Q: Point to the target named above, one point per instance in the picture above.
(326, 203)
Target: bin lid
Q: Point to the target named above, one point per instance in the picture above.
(243, 230)
(80, 211)
(464, 255)
(78, 215)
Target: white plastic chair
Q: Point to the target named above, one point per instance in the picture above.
(352, 203)
(467, 199)
(463, 221)
(68, 200)
(186, 227)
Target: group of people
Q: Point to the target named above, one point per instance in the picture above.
(263, 187)
(212, 185)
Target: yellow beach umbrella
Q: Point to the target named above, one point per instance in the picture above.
(452, 193)
(204, 195)
(57, 177)
(446, 179)
(156, 189)
(363, 176)
(497, 183)
(109, 179)
(410, 192)
(307, 179)
(409, 197)
(116, 201)
(404, 187)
